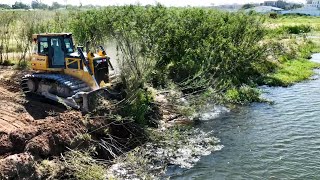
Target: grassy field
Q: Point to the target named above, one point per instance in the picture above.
(294, 20)
(293, 63)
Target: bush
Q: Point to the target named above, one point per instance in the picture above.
(243, 95)
(82, 166)
(138, 107)
(297, 29)
(193, 47)
(23, 64)
(273, 15)
(7, 63)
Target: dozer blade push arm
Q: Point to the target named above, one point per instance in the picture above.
(85, 62)
(108, 59)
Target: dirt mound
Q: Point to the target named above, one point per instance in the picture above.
(56, 134)
(32, 129)
(6, 145)
(45, 138)
(34, 124)
(18, 166)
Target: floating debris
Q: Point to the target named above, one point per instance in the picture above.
(182, 149)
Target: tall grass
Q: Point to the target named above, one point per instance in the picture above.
(17, 27)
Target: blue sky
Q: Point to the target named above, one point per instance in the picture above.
(144, 2)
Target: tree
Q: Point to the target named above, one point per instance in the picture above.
(37, 5)
(5, 6)
(56, 5)
(20, 5)
(247, 6)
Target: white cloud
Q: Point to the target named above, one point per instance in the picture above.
(144, 2)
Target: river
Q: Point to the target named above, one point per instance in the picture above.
(266, 141)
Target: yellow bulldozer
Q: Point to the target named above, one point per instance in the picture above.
(63, 74)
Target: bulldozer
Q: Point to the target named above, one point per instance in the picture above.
(64, 73)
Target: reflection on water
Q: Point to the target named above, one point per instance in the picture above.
(262, 141)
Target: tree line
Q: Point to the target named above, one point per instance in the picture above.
(35, 4)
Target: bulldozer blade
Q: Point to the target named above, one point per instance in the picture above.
(91, 99)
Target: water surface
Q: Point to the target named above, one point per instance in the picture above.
(263, 141)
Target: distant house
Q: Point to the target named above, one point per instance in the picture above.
(313, 3)
(278, 3)
(229, 7)
(307, 10)
(265, 9)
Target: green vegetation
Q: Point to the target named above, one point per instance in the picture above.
(248, 6)
(291, 72)
(294, 67)
(293, 48)
(20, 5)
(194, 55)
(5, 6)
(80, 165)
(35, 4)
(297, 29)
(191, 49)
(243, 95)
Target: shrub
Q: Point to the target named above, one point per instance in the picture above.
(273, 15)
(23, 64)
(193, 47)
(243, 95)
(298, 29)
(138, 107)
(82, 166)
(7, 63)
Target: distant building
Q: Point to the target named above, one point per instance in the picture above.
(279, 3)
(265, 9)
(229, 6)
(313, 3)
(307, 10)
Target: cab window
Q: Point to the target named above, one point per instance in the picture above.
(35, 48)
(69, 45)
(43, 46)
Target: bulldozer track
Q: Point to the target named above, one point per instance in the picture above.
(74, 84)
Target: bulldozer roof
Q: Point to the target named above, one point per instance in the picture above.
(34, 36)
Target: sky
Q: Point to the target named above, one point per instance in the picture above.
(145, 2)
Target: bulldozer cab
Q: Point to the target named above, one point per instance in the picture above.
(65, 74)
(56, 47)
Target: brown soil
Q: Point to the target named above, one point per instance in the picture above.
(18, 166)
(31, 128)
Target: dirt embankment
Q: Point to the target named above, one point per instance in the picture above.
(34, 129)
(31, 128)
